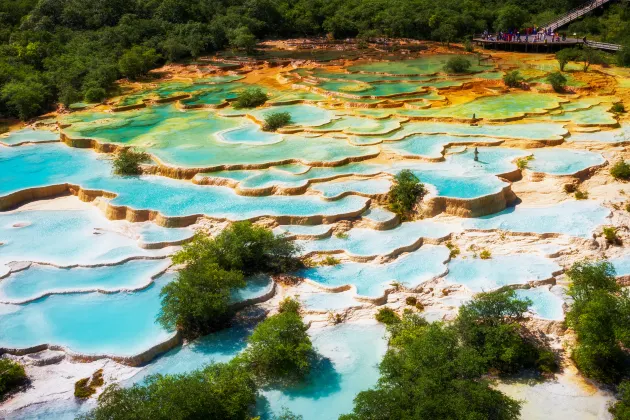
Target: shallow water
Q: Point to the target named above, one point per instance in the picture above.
(28, 135)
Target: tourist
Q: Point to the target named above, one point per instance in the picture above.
(476, 155)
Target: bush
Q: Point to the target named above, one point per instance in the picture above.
(127, 162)
(12, 375)
(405, 192)
(523, 163)
(581, 195)
(279, 349)
(387, 316)
(411, 300)
(457, 64)
(25, 99)
(86, 387)
(453, 248)
(618, 108)
(289, 305)
(219, 391)
(485, 254)
(275, 120)
(621, 409)
(620, 170)
(341, 235)
(96, 94)
(513, 79)
(330, 260)
(137, 61)
(250, 98)
(569, 188)
(242, 38)
(557, 81)
(610, 233)
(468, 46)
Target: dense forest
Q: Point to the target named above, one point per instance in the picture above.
(73, 50)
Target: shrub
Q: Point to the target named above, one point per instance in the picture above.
(387, 316)
(341, 235)
(250, 98)
(411, 300)
(127, 162)
(590, 56)
(457, 64)
(610, 233)
(620, 170)
(513, 79)
(330, 260)
(219, 391)
(569, 188)
(82, 389)
(618, 108)
(405, 192)
(468, 46)
(485, 254)
(95, 94)
(275, 120)
(557, 81)
(12, 375)
(289, 305)
(628, 207)
(621, 408)
(581, 195)
(242, 38)
(523, 163)
(453, 248)
(420, 306)
(279, 349)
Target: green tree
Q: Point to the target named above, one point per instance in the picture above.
(198, 301)
(621, 408)
(620, 170)
(565, 55)
(428, 374)
(510, 17)
(137, 61)
(445, 33)
(12, 375)
(219, 391)
(405, 193)
(457, 64)
(280, 349)
(242, 38)
(25, 99)
(591, 56)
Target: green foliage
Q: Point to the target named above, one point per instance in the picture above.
(445, 33)
(24, 99)
(453, 248)
(620, 170)
(341, 235)
(468, 46)
(618, 108)
(581, 195)
(197, 302)
(275, 120)
(428, 374)
(94, 94)
(567, 54)
(523, 163)
(82, 389)
(485, 254)
(457, 64)
(599, 316)
(387, 316)
(405, 192)
(610, 233)
(289, 305)
(127, 162)
(623, 55)
(242, 38)
(513, 79)
(12, 375)
(411, 300)
(509, 17)
(137, 61)
(330, 260)
(621, 408)
(245, 247)
(219, 391)
(279, 349)
(250, 98)
(557, 81)
(490, 325)
(591, 56)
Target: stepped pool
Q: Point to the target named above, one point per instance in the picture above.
(28, 135)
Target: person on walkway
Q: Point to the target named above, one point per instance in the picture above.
(476, 155)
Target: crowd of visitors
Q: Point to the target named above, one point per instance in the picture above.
(531, 34)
